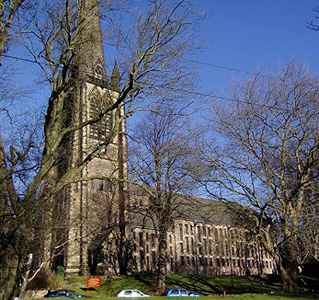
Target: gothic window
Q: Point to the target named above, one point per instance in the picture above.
(216, 234)
(109, 186)
(187, 245)
(141, 238)
(193, 246)
(98, 68)
(199, 234)
(98, 104)
(147, 263)
(98, 71)
(181, 248)
(201, 261)
(205, 246)
(141, 259)
(180, 231)
(101, 185)
(237, 249)
(153, 239)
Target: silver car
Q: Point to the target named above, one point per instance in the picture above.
(131, 294)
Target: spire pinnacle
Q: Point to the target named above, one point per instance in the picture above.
(115, 79)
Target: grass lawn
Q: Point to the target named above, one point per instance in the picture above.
(213, 287)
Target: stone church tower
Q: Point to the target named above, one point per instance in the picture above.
(86, 209)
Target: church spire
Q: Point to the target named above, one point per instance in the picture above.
(115, 79)
(90, 56)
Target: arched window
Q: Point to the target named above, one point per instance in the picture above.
(98, 104)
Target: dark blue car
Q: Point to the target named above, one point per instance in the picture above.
(63, 294)
(180, 292)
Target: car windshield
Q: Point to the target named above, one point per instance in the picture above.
(174, 292)
(183, 292)
(61, 293)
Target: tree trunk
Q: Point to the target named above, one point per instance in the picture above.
(26, 277)
(161, 265)
(122, 251)
(9, 274)
(289, 279)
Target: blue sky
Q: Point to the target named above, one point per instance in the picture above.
(247, 35)
(255, 35)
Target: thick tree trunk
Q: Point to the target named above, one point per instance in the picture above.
(9, 274)
(161, 265)
(289, 279)
(289, 267)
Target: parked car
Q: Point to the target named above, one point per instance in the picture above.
(180, 292)
(131, 294)
(63, 294)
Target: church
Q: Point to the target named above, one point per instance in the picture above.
(100, 226)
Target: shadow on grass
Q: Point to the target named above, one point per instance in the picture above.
(195, 284)
(145, 279)
(217, 284)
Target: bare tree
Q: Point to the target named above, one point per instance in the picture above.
(313, 25)
(265, 155)
(19, 163)
(158, 163)
(8, 11)
(56, 39)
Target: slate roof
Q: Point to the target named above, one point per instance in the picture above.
(196, 209)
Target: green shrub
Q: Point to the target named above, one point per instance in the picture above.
(60, 270)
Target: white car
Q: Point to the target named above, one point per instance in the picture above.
(131, 294)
